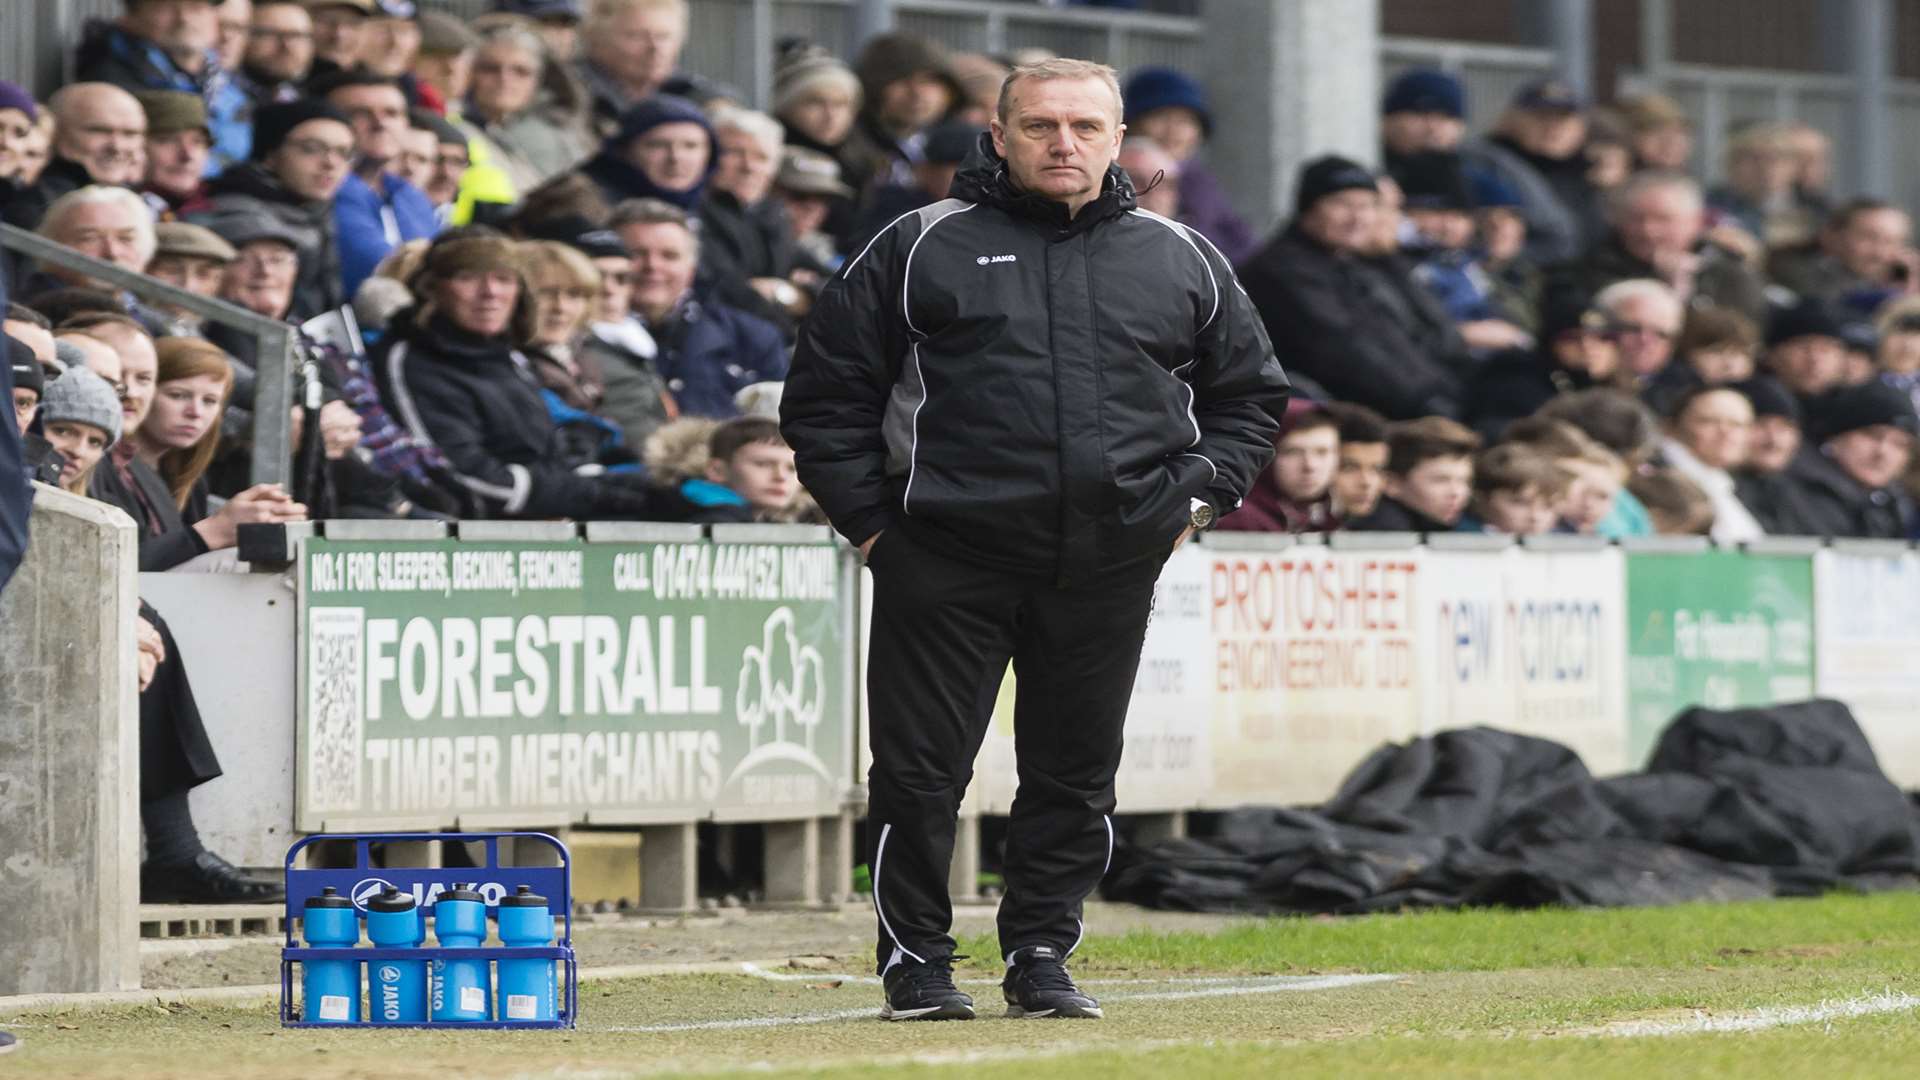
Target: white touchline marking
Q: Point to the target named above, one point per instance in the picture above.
(1769, 1016)
(758, 972)
(1254, 984)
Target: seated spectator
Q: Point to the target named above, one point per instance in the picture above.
(190, 257)
(749, 475)
(741, 226)
(1439, 210)
(1501, 231)
(80, 417)
(1598, 479)
(1537, 149)
(301, 153)
(663, 149)
(111, 224)
(1576, 351)
(1717, 346)
(446, 166)
(139, 364)
(1423, 112)
(279, 52)
(1623, 425)
(906, 88)
(1154, 174)
(536, 139)
(100, 132)
(1644, 317)
(556, 21)
(1429, 477)
(390, 40)
(1360, 477)
(18, 115)
(709, 351)
(1517, 491)
(1677, 505)
(448, 366)
(1758, 194)
(1898, 355)
(29, 381)
(1170, 108)
(234, 20)
(419, 151)
(1659, 231)
(80, 349)
(1707, 438)
(33, 328)
(170, 45)
(946, 145)
(340, 35)
(566, 290)
(1340, 319)
(1608, 152)
(1294, 494)
(1658, 132)
(808, 186)
(815, 98)
(1846, 481)
(179, 148)
(633, 53)
(442, 70)
(1862, 257)
(1773, 443)
(1805, 350)
(374, 209)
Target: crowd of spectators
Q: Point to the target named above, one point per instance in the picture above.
(542, 271)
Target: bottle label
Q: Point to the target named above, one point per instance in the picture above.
(333, 1007)
(472, 999)
(523, 1007)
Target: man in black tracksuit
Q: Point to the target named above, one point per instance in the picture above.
(1018, 402)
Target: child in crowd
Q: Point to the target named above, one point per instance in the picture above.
(1517, 491)
(1718, 344)
(734, 471)
(1361, 475)
(1623, 425)
(1429, 477)
(1293, 494)
(1678, 506)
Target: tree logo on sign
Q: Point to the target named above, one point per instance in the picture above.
(781, 697)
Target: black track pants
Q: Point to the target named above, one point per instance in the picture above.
(943, 632)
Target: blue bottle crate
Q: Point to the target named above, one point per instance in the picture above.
(363, 881)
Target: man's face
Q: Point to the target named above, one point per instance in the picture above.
(390, 46)
(104, 131)
(1772, 443)
(313, 162)
(379, 115)
(280, 42)
(807, 211)
(673, 156)
(1060, 137)
(419, 156)
(1344, 221)
(1550, 133)
(339, 34)
(1418, 132)
(139, 371)
(761, 473)
(180, 27)
(914, 103)
(640, 47)
(1450, 230)
(106, 231)
(1659, 223)
(1874, 456)
(1360, 478)
(1304, 464)
(1523, 511)
(1644, 327)
(450, 167)
(616, 288)
(197, 275)
(1437, 487)
(449, 73)
(481, 301)
(746, 167)
(261, 279)
(663, 266)
(176, 162)
(1872, 241)
(1722, 364)
(1717, 428)
(1809, 365)
(504, 79)
(234, 20)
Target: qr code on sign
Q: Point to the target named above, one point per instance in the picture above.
(335, 712)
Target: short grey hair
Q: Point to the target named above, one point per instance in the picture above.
(144, 240)
(763, 128)
(654, 212)
(1621, 292)
(1654, 180)
(1059, 67)
(516, 35)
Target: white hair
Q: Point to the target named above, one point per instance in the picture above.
(144, 240)
(762, 128)
(1622, 292)
(1642, 182)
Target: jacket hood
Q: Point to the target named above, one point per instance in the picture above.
(983, 178)
(678, 450)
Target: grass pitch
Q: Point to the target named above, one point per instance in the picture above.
(1827, 988)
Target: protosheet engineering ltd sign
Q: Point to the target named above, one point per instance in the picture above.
(552, 681)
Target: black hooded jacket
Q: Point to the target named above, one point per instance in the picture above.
(250, 187)
(1814, 496)
(1028, 391)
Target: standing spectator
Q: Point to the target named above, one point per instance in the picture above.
(663, 149)
(302, 152)
(1758, 195)
(18, 115)
(374, 210)
(1343, 321)
(1847, 481)
(340, 33)
(179, 146)
(1659, 232)
(537, 140)
(1429, 478)
(279, 52)
(1806, 350)
(1501, 228)
(190, 257)
(1813, 167)
(1864, 256)
(100, 139)
(1170, 108)
(633, 53)
(171, 45)
(1658, 132)
(709, 351)
(1707, 438)
(1361, 477)
(1424, 111)
(906, 88)
(1537, 149)
(1645, 317)
(1294, 494)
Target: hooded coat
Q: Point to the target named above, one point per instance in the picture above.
(1814, 496)
(251, 187)
(619, 179)
(1030, 391)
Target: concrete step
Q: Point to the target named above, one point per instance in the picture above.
(211, 920)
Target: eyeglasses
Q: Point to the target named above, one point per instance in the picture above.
(316, 148)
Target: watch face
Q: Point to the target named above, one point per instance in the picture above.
(1202, 516)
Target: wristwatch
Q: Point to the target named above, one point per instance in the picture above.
(1200, 517)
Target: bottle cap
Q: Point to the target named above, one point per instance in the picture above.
(457, 892)
(390, 901)
(523, 896)
(329, 898)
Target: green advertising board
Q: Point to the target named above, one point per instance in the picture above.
(1720, 629)
(525, 683)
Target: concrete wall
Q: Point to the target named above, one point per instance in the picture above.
(69, 755)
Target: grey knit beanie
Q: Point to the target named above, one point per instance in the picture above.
(82, 397)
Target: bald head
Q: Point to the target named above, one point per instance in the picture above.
(103, 129)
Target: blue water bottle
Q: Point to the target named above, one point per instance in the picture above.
(330, 988)
(526, 986)
(396, 989)
(461, 988)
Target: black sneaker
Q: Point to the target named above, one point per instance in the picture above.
(1037, 985)
(917, 991)
(208, 879)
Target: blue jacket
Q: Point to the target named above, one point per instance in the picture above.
(109, 54)
(16, 493)
(709, 352)
(362, 217)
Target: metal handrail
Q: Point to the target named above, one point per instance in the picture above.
(273, 386)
